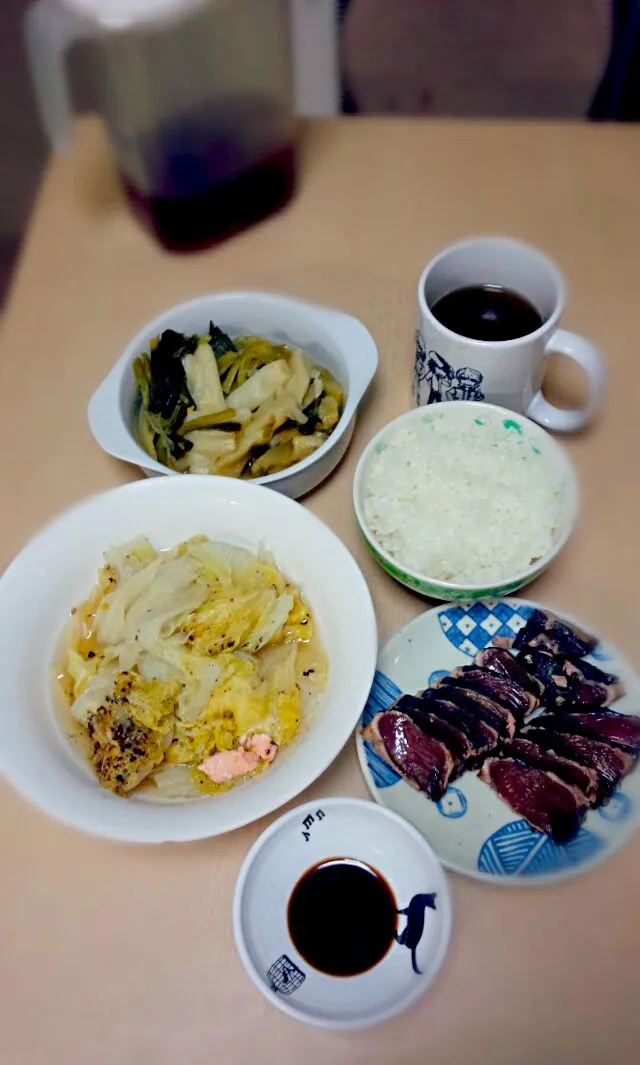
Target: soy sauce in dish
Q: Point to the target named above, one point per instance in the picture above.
(487, 312)
(342, 917)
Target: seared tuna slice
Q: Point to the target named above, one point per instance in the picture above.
(619, 730)
(569, 771)
(497, 660)
(424, 762)
(502, 689)
(610, 764)
(547, 803)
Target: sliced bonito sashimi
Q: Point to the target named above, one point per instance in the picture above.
(497, 660)
(481, 706)
(544, 800)
(481, 736)
(569, 771)
(422, 714)
(501, 689)
(618, 730)
(610, 764)
(424, 762)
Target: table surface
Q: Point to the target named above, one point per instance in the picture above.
(112, 954)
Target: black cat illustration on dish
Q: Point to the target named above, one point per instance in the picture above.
(413, 931)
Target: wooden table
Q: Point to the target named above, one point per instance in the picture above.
(114, 955)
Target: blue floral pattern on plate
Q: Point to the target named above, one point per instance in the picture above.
(383, 693)
(472, 628)
(453, 804)
(600, 653)
(618, 808)
(516, 849)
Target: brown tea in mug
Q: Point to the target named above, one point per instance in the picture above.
(487, 312)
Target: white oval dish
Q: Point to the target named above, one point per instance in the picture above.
(464, 412)
(330, 338)
(471, 829)
(58, 568)
(299, 840)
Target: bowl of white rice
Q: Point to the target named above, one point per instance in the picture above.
(464, 500)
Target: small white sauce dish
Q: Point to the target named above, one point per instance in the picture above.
(373, 836)
(336, 341)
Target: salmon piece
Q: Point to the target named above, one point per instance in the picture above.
(224, 766)
(263, 745)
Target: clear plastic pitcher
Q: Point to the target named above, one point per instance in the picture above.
(197, 96)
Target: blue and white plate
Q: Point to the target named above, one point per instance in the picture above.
(471, 830)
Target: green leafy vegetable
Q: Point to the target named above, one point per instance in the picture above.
(169, 398)
(311, 414)
(220, 342)
(169, 394)
(142, 374)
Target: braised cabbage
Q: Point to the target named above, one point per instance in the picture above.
(179, 655)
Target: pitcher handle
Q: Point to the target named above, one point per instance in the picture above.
(49, 31)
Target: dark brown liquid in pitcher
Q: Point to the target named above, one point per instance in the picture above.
(342, 917)
(487, 312)
(207, 177)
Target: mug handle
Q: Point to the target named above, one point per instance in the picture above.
(590, 359)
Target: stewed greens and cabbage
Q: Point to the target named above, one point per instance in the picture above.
(242, 408)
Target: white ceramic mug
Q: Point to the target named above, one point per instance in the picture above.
(508, 373)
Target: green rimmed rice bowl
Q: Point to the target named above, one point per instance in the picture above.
(463, 500)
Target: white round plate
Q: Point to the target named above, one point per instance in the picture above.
(58, 568)
(471, 830)
(301, 839)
